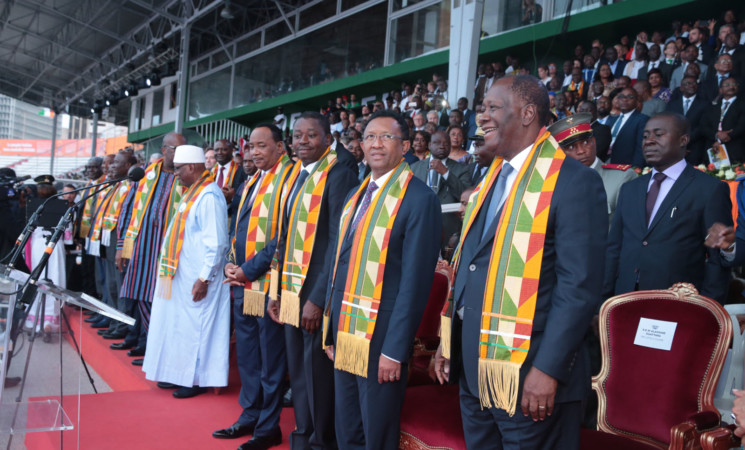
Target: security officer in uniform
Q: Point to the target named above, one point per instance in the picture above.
(574, 135)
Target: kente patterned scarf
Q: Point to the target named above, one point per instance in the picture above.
(577, 87)
(102, 204)
(174, 238)
(111, 214)
(514, 270)
(263, 224)
(142, 199)
(364, 283)
(227, 177)
(88, 209)
(301, 235)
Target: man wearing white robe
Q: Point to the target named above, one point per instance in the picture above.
(187, 346)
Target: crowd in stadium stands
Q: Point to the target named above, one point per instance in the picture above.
(613, 90)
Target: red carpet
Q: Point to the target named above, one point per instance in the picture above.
(138, 414)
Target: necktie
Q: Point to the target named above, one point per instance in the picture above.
(617, 127)
(434, 179)
(371, 188)
(725, 106)
(220, 177)
(686, 106)
(721, 77)
(296, 188)
(495, 202)
(654, 191)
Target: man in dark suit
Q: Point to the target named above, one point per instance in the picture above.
(481, 160)
(724, 122)
(698, 37)
(692, 106)
(374, 397)
(228, 175)
(260, 342)
(600, 132)
(662, 243)
(626, 131)
(616, 65)
(311, 372)
(343, 155)
(723, 69)
(554, 377)
(446, 177)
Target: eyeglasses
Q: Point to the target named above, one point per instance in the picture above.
(385, 138)
(172, 147)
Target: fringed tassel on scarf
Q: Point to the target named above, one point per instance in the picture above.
(128, 248)
(324, 331)
(351, 353)
(289, 309)
(273, 283)
(498, 384)
(445, 334)
(165, 286)
(253, 303)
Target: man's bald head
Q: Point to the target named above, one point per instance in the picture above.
(170, 142)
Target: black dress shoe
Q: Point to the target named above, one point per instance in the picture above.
(189, 392)
(100, 324)
(234, 431)
(164, 385)
(93, 318)
(138, 362)
(102, 331)
(115, 335)
(262, 442)
(137, 351)
(122, 345)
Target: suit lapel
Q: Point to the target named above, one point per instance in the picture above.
(477, 229)
(640, 208)
(678, 187)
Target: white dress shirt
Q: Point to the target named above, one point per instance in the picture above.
(623, 117)
(673, 173)
(517, 163)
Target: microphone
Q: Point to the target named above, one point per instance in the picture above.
(135, 174)
(19, 181)
(29, 292)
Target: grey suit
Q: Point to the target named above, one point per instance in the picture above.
(448, 191)
(677, 77)
(653, 106)
(613, 178)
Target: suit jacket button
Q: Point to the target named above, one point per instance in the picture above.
(644, 243)
(472, 267)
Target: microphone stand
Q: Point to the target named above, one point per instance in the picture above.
(20, 243)
(30, 292)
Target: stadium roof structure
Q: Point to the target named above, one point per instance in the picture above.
(70, 54)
